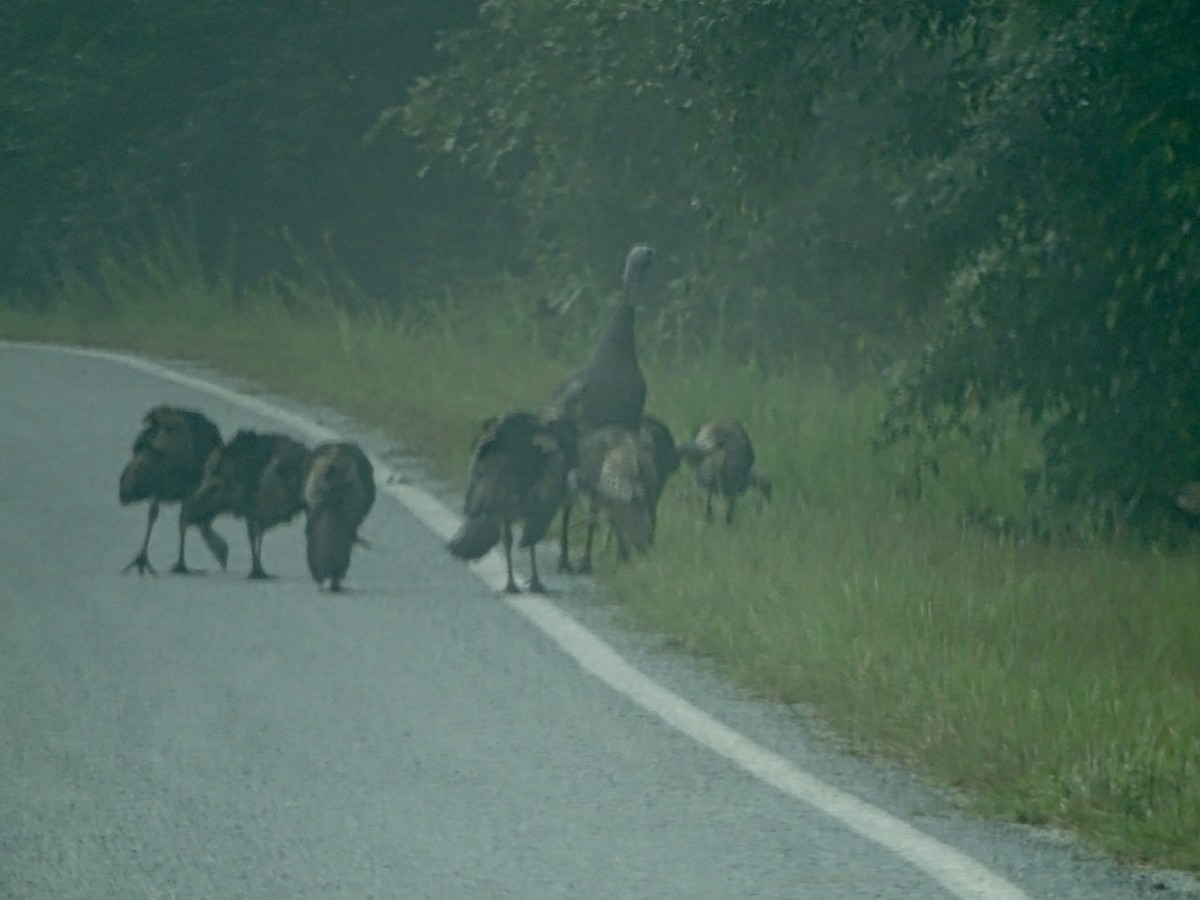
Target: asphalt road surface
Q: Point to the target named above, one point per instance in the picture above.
(209, 736)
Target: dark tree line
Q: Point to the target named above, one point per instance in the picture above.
(249, 125)
(998, 198)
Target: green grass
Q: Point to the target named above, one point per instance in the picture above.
(1051, 685)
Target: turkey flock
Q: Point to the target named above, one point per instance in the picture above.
(265, 479)
(591, 444)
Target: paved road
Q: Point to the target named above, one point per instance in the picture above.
(212, 737)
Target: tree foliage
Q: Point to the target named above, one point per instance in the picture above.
(1075, 185)
(247, 122)
(737, 137)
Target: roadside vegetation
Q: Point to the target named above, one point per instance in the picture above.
(939, 256)
(1051, 678)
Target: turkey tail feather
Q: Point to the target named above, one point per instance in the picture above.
(477, 536)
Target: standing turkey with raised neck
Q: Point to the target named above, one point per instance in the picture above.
(610, 388)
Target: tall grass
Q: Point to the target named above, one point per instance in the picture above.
(1053, 685)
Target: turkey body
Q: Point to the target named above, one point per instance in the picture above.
(643, 471)
(518, 473)
(722, 460)
(616, 473)
(166, 466)
(257, 477)
(339, 491)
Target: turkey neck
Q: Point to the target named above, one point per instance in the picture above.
(618, 341)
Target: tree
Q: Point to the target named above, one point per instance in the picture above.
(243, 121)
(737, 137)
(1075, 189)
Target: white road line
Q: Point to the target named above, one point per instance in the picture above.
(955, 871)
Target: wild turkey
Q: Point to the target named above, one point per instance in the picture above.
(257, 477)
(616, 472)
(609, 389)
(339, 491)
(166, 466)
(722, 459)
(658, 444)
(518, 474)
